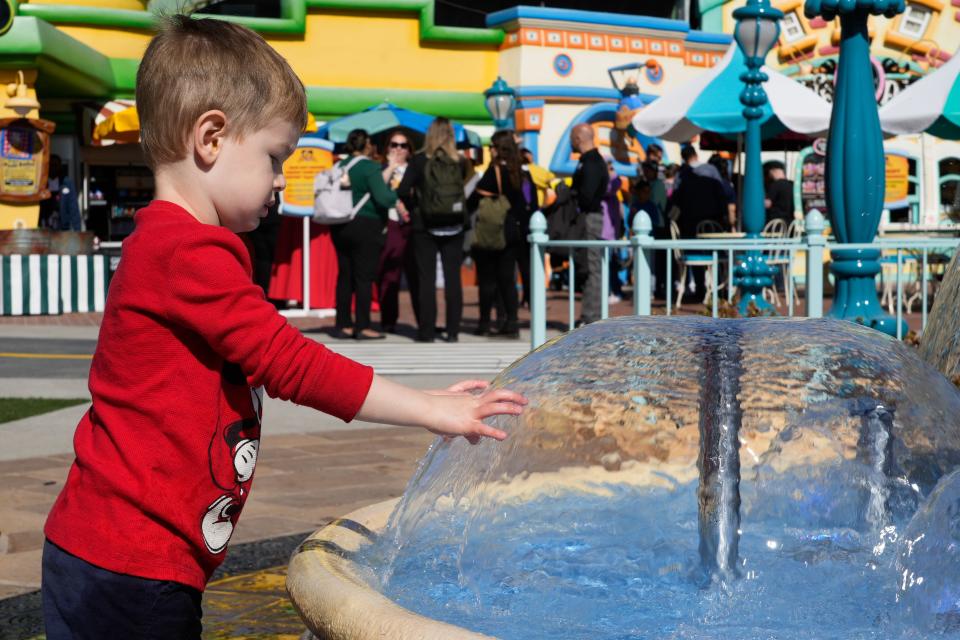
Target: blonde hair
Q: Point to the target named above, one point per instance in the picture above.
(196, 65)
(440, 136)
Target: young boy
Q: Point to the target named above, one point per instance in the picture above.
(165, 455)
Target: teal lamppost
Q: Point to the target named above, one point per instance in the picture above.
(501, 101)
(757, 30)
(855, 167)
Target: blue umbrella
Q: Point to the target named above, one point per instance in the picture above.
(382, 118)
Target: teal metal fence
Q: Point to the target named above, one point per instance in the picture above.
(718, 254)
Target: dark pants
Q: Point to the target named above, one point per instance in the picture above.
(496, 273)
(523, 264)
(425, 248)
(83, 601)
(590, 306)
(264, 241)
(395, 262)
(358, 245)
(660, 263)
(613, 266)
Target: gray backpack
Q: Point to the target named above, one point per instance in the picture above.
(333, 195)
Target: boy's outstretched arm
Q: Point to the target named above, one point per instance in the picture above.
(455, 412)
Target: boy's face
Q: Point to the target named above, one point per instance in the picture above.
(248, 173)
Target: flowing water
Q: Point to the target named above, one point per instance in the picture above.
(695, 478)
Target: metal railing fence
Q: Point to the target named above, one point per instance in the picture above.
(720, 254)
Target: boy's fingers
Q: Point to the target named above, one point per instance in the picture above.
(491, 432)
(468, 385)
(490, 409)
(505, 395)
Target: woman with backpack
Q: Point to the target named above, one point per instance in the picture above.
(502, 210)
(359, 241)
(432, 191)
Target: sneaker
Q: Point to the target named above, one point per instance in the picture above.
(614, 299)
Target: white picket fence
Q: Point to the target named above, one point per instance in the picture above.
(52, 284)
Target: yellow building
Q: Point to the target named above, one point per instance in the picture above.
(81, 57)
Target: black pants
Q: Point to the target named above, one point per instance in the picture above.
(83, 601)
(264, 241)
(358, 245)
(496, 273)
(523, 265)
(425, 248)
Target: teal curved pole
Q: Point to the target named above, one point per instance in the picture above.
(752, 271)
(855, 173)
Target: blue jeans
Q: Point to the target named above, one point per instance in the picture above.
(84, 601)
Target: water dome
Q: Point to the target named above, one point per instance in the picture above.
(692, 478)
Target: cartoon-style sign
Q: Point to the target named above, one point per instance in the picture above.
(232, 458)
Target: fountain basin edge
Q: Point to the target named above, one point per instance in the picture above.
(335, 603)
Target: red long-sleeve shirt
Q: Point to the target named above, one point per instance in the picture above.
(165, 455)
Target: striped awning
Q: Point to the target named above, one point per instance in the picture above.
(118, 122)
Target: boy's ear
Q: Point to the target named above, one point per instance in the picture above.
(209, 132)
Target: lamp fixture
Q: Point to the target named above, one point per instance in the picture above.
(19, 99)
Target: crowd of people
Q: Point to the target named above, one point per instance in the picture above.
(420, 208)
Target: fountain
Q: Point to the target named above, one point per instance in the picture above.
(672, 478)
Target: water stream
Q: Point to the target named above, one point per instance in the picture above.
(695, 478)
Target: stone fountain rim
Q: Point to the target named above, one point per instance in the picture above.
(333, 600)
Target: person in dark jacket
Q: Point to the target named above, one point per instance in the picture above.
(496, 269)
(779, 200)
(360, 241)
(590, 182)
(699, 198)
(396, 259)
(429, 239)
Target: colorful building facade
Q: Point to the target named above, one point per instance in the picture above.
(79, 58)
(923, 173)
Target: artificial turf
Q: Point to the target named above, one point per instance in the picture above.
(17, 408)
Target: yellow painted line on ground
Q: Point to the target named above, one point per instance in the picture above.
(46, 356)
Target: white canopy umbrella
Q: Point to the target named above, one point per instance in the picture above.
(929, 105)
(711, 102)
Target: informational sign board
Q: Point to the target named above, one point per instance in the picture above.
(897, 180)
(24, 159)
(312, 156)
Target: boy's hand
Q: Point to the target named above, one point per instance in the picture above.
(452, 412)
(459, 413)
(460, 388)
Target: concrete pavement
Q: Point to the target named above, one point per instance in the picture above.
(312, 467)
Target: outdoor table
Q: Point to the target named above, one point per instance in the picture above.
(721, 235)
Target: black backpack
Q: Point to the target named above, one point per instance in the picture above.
(442, 201)
(564, 222)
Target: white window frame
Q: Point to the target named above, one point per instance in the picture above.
(791, 27)
(915, 20)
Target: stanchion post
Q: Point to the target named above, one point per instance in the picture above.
(641, 240)
(538, 288)
(813, 232)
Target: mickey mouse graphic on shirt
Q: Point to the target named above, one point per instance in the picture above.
(232, 458)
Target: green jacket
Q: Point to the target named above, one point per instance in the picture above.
(366, 177)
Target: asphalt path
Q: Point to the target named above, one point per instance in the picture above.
(45, 357)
